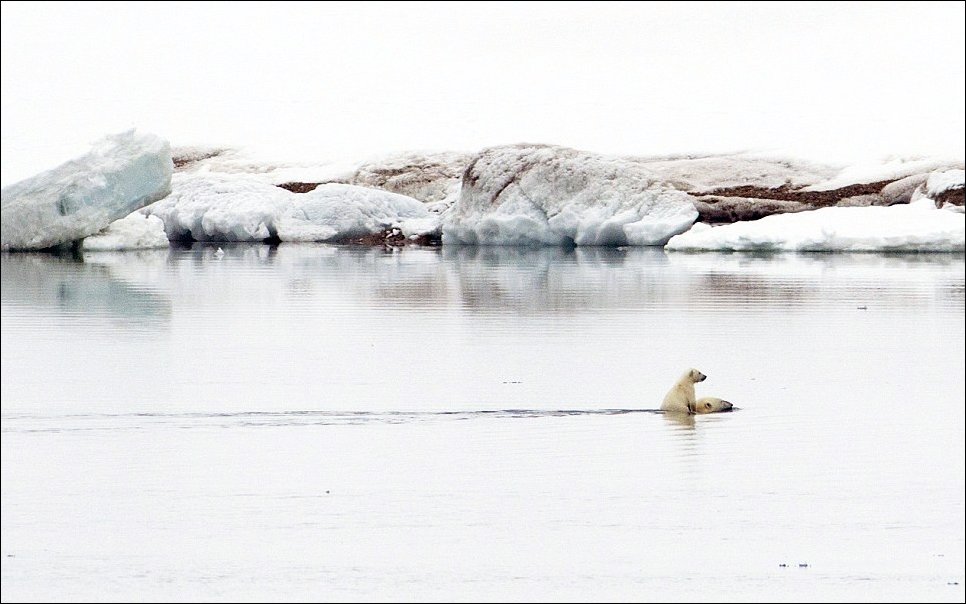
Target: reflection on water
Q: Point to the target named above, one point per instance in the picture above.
(77, 286)
(488, 279)
(318, 422)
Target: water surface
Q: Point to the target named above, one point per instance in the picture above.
(318, 422)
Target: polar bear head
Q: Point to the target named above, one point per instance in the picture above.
(710, 404)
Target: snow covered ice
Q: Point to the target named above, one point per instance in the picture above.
(333, 211)
(941, 183)
(507, 195)
(915, 227)
(221, 207)
(122, 173)
(427, 176)
(545, 195)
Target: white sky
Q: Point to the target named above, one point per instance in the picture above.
(831, 81)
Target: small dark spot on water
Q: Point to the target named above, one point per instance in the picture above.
(512, 382)
(862, 307)
(782, 565)
(11, 556)
(803, 565)
(953, 583)
(326, 492)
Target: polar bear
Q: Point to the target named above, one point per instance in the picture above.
(680, 398)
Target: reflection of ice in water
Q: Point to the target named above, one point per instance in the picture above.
(490, 279)
(94, 286)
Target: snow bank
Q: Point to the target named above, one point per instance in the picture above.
(221, 207)
(916, 227)
(544, 195)
(120, 174)
(134, 232)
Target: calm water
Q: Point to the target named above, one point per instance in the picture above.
(323, 423)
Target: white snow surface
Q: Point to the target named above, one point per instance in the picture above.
(546, 195)
(942, 181)
(78, 198)
(136, 231)
(893, 169)
(703, 174)
(220, 207)
(228, 161)
(239, 207)
(429, 176)
(914, 227)
(336, 211)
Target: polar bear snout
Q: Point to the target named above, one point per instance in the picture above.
(696, 376)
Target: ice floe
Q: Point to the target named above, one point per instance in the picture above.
(122, 173)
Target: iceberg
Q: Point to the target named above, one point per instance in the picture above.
(223, 207)
(547, 195)
(134, 232)
(121, 174)
(914, 227)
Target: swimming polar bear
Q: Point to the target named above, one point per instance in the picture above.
(680, 398)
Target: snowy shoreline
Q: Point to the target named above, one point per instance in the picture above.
(531, 195)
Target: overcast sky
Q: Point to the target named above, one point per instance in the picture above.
(831, 81)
